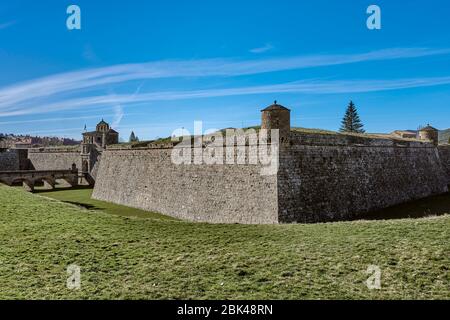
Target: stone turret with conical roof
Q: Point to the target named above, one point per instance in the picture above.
(429, 133)
(276, 116)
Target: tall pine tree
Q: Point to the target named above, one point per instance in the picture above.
(351, 121)
(132, 137)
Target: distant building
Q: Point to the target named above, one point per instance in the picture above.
(429, 133)
(409, 134)
(102, 136)
(22, 145)
(94, 143)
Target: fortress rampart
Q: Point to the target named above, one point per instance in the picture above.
(54, 158)
(339, 177)
(444, 154)
(9, 160)
(322, 177)
(149, 180)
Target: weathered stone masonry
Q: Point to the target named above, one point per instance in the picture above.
(339, 177)
(322, 177)
(148, 179)
(54, 158)
(444, 154)
(9, 160)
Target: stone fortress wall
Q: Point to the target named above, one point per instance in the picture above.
(85, 156)
(54, 158)
(322, 177)
(444, 154)
(326, 177)
(9, 160)
(148, 179)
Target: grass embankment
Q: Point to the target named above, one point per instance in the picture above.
(152, 258)
(81, 197)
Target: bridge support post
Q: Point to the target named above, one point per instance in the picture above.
(74, 182)
(74, 179)
(28, 185)
(49, 184)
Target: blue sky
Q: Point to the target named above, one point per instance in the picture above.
(155, 66)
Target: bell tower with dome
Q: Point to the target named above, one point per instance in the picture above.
(94, 143)
(103, 136)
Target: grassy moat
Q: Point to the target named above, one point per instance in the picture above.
(81, 197)
(127, 253)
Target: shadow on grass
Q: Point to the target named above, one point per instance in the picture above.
(84, 205)
(431, 206)
(81, 197)
(59, 189)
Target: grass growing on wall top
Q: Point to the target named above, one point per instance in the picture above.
(168, 140)
(150, 258)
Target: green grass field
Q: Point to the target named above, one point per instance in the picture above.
(153, 257)
(81, 197)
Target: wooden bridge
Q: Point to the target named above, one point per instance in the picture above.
(48, 177)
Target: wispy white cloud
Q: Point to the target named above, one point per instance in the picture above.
(312, 86)
(98, 78)
(78, 89)
(118, 115)
(119, 111)
(60, 119)
(46, 120)
(265, 48)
